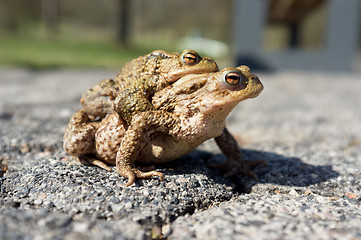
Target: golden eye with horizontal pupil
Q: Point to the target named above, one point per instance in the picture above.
(232, 78)
(190, 58)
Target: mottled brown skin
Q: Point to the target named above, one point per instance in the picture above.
(79, 139)
(96, 102)
(188, 112)
(139, 79)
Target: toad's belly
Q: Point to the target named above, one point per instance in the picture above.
(156, 148)
(159, 148)
(165, 148)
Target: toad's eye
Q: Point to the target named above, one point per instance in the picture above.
(232, 78)
(190, 58)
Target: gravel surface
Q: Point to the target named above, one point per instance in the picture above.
(306, 126)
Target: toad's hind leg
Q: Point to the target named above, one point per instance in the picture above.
(79, 137)
(79, 140)
(92, 160)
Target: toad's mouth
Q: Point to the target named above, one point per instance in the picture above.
(210, 67)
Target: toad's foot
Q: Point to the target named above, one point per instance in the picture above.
(235, 162)
(132, 173)
(233, 167)
(90, 160)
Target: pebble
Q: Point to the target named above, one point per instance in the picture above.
(38, 201)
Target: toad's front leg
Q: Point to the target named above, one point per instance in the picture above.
(131, 101)
(235, 162)
(135, 138)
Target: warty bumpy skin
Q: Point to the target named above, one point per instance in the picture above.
(190, 111)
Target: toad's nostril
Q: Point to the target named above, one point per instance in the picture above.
(255, 79)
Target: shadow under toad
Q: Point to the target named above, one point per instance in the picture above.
(279, 169)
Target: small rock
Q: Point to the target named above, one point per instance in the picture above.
(76, 236)
(166, 230)
(24, 148)
(293, 192)
(308, 192)
(42, 196)
(334, 198)
(38, 201)
(351, 195)
(81, 226)
(181, 180)
(43, 154)
(128, 205)
(156, 232)
(146, 193)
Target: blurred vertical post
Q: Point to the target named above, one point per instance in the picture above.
(50, 15)
(123, 31)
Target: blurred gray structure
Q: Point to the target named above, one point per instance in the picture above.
(340, 40)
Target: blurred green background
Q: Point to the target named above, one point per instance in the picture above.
(42, 34)
(91, 33)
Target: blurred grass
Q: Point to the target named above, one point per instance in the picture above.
(38, 53)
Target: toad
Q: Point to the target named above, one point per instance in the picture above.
(139, 79)
(187, 113)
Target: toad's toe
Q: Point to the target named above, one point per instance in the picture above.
(132, 174)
